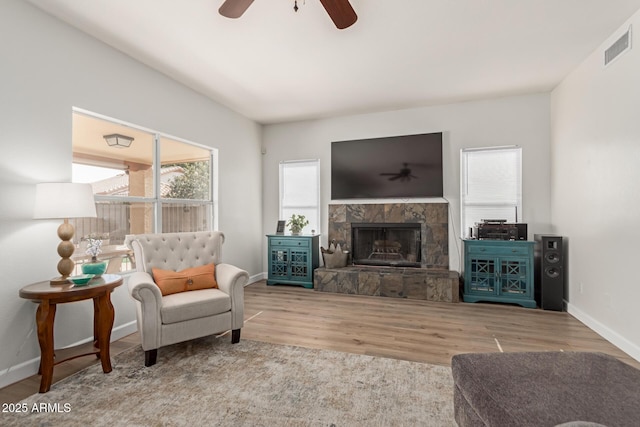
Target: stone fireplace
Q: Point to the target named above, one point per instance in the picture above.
(431, 217)
(397, 250)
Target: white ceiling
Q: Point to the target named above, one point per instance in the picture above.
(273, 65)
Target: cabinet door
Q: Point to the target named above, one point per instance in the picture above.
(279, 264)
(482, 276)
(299, 267)
(513, 277)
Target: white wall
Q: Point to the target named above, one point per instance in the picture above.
(520, 120)
(47, 68)
(595, 137)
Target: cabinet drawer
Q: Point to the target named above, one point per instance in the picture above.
(299, 243)
(498, 251)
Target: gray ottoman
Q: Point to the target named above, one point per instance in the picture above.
(544, 389)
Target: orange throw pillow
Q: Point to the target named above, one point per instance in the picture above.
(189, 279)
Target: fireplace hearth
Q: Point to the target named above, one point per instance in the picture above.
(386, 244)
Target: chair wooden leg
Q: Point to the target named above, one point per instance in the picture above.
(235, 336)
(150, 357)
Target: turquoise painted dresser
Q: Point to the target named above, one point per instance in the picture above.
(499, 271)
(292, 259)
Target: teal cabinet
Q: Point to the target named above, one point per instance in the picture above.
(499, 271)
(292, 259)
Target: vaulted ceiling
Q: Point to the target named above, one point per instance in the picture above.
(276, 65)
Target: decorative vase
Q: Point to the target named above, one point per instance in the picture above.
(295, 231)
(94, 267)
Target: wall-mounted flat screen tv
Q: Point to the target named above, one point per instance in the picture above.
(392, 167)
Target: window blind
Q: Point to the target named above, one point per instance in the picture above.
(300, 191)
(491, 185)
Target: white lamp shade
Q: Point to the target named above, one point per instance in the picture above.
(64, 200)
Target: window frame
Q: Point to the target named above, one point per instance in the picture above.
(157, 201)
(281, 207)
(464, 185)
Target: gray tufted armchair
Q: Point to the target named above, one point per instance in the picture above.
(164, 320)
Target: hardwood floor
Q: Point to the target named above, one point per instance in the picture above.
(420, 331)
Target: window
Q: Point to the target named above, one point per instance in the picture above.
(156, 184)
(491, 185)
(300, 191)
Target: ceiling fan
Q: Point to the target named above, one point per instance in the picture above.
(340, 11)
(403, 175)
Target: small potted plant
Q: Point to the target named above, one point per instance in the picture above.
(296, 223)
(94, 248)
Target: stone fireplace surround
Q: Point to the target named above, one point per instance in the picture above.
(432, 281)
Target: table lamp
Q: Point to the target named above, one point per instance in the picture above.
(64, 200)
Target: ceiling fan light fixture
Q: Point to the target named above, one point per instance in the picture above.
(340, 11)
(118, 141)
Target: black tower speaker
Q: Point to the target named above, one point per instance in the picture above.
(549, 271)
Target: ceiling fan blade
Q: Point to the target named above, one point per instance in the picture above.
(234, 8)
(340, 12)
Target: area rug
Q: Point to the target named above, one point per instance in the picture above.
(209, 382)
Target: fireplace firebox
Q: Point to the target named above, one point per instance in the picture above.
(387, 244)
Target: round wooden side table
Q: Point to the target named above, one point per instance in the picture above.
(48, 296)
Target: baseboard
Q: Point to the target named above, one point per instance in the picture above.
(256, 278)
(604, 331)
(19, 372)
(30, 367)
(123, 330)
